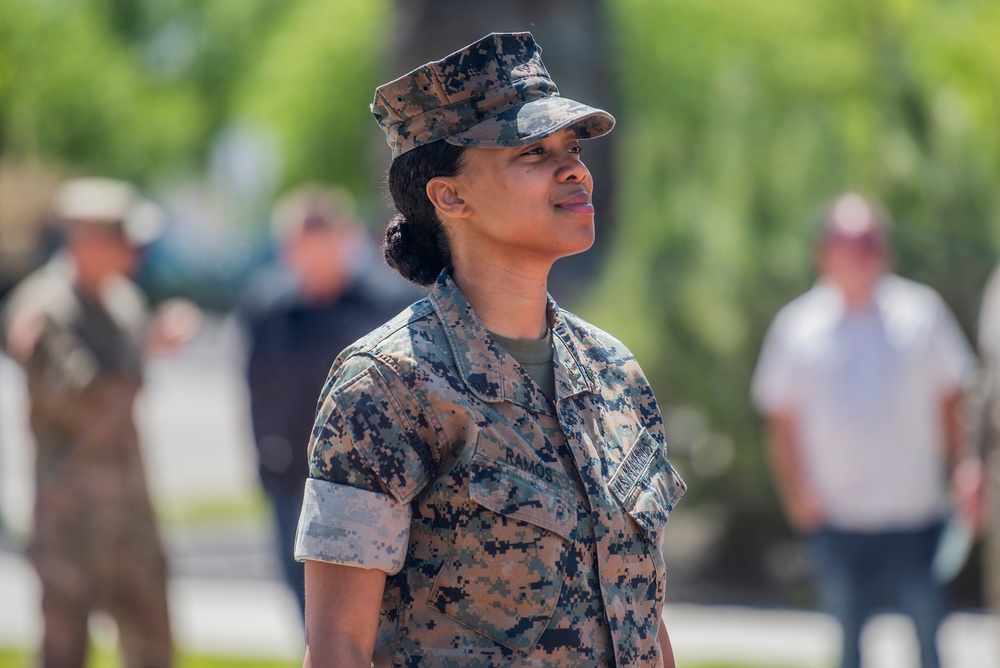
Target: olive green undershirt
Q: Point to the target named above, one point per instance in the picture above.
(535, 355)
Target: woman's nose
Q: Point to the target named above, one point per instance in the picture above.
(573, 169)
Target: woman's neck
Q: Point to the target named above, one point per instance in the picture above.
(512, 304)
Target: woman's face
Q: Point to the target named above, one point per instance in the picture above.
(527, 202)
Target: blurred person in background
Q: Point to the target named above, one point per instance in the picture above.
(321, 295)
(989, 348)
(861, 383)
(80, 327)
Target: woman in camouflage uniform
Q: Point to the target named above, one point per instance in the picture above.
(489, 482)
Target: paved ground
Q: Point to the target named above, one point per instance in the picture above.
(255, 617)
(225, 595)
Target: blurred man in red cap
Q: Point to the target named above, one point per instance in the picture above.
(861, 380)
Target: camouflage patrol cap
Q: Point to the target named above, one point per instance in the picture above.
(493, 93)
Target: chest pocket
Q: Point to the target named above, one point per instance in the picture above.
(647, 486)
(503, 576)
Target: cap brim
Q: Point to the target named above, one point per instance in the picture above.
(534, 120)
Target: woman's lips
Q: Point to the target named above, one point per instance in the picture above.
(579, 203)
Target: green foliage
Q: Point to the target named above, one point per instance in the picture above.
(135, 89)
(740, 118)
(312, 85)
(139, 89)
(71, 92)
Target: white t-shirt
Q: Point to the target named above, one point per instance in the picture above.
(865, 388)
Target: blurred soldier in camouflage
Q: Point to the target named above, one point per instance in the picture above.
(78, 326)
(489, 481)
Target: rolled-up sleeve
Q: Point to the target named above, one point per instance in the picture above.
(352, 527)
(365, 467)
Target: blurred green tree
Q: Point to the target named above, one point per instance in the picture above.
(71, 92)
(312, 83)
(739, 119)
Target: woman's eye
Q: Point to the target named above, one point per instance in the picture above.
(534, 150)
(576, 149)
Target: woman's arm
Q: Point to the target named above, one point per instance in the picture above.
(342, 613)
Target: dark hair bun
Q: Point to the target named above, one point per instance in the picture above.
(416, 244)
(412, 250)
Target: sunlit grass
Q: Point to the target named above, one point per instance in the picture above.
(99, 658)
(732, 665)
(250, 507)
(18, 658)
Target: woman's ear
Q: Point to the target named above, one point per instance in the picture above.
(442, 191)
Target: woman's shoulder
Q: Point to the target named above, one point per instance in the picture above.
(394, 329)
(614, 372)
(593, 341)
(411, 339)
(603, 356)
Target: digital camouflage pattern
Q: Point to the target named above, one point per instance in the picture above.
(493, 93)
(94, 543)
(534, 531)
(348, 536)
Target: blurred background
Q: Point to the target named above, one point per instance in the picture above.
(736, 120)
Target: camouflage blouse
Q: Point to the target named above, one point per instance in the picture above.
(515, 532)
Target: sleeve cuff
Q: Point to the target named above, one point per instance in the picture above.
(352, 527)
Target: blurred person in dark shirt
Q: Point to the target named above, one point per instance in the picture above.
(323, 293)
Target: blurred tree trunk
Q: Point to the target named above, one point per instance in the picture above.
(575, 50)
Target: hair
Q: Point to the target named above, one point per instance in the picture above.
(416, 244)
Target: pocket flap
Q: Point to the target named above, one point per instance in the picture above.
(647, 486)
(508, 491)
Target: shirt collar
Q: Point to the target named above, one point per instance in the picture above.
(833, 299)
(486, 368)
